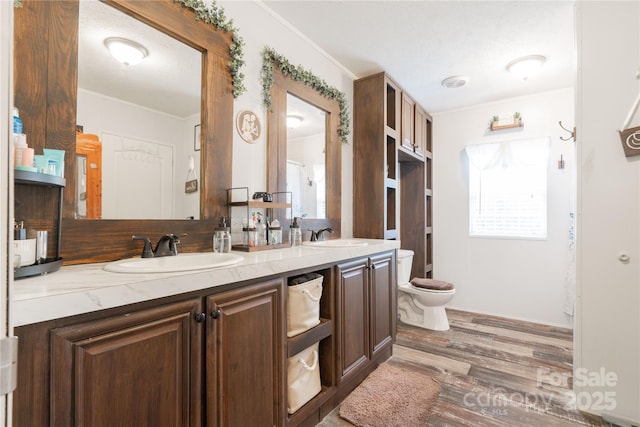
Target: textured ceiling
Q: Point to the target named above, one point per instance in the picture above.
(419, 43)
(167, 80)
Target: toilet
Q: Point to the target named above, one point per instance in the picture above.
(419, 306)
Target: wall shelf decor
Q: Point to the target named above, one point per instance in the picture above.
(506, 121)
(31, 179)
(268, 207)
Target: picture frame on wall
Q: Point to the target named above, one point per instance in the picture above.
(248, 126)
(197, 143)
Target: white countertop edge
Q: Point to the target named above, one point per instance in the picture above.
(81, 289)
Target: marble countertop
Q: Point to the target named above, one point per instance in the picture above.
(86, 288)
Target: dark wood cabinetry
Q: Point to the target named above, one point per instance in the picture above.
(376, 118)
(244, 342)
(421, 120)
(139, 369)
(383, 306)
(212, 358)
(366, 309)
(215, 361)
(398, 204)
(353, 309)
(407, 139)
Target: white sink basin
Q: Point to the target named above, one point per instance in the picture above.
(170, 264)
(337, 243)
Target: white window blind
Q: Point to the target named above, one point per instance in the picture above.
(508, 188)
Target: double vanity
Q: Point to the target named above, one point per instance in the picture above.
(184, 341)
(199, 347)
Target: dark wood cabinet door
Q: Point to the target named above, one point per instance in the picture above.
(244, 356)
(407, 137)
(420, 130)
(138, 369)
(353, 315)
(383, 302)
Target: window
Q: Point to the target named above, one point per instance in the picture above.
(508, 189)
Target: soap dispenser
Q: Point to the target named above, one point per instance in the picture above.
(275, 233)
(222, 237)
(261, 231)
(295, 234)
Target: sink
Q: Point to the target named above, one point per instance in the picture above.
(170, 264)
(337, 243)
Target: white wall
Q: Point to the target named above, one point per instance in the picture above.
(513, 278)
(258, 27)
(608, 303)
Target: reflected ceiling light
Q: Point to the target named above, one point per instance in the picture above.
(126, 51)
(526, 67)
(294, 121)
(455, 81)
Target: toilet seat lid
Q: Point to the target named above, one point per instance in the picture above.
(433, 284)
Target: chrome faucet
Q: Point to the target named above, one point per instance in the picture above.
(317, 236)
(166, 246)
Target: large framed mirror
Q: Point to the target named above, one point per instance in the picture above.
(46, 92)
(306, 160)
(137, 144)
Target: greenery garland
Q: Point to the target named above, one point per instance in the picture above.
(215, 16)
(271, 58)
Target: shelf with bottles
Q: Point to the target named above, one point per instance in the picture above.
(251, 236)
(47, 264)
(35, 178)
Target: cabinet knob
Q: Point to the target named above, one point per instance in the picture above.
(373, 266)
(216, 313)
(200, 317)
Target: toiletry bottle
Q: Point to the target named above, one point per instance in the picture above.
(275, 232)
(17, 122)
(261, 231)
(295, 234)
(249, 232)
(20, 145)
(222, 237)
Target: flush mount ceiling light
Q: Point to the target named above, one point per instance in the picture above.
(526, 67)
(126, 51)
(455, 81)
(294, 121)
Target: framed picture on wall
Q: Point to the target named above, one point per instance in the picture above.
(196, 138)
(248, 126)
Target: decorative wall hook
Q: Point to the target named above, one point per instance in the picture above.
(571, 132)
(630, 137)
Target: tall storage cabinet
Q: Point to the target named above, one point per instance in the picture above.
(376, 117)
(392, 164)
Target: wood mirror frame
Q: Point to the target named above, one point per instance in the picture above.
(46, 71)
(277, 149)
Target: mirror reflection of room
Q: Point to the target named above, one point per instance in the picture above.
(306, 153)
(137, 121)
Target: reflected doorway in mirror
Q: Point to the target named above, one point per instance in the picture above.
(248, 126)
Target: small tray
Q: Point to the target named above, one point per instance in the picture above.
(52, 264)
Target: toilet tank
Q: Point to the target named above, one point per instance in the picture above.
(405, 261)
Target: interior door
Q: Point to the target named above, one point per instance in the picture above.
(89, 176)
(138, 178)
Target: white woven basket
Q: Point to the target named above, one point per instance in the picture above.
(303, 306)
(303, 378)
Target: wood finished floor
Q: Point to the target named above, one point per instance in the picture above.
(492, 372)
